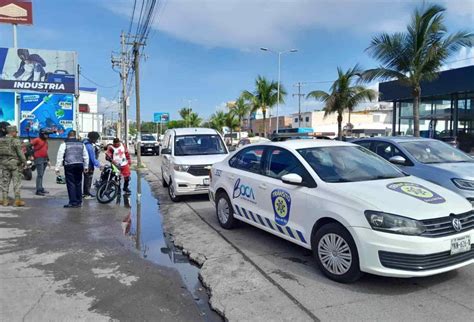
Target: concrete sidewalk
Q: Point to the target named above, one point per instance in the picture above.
(75, 264)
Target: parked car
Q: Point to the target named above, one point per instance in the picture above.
(353, 209)
(251, 140)
(106, 141)
(148, 145)
(187, 156)
(429, 159)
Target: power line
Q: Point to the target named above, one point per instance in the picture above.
(95, 83)
(133, 16)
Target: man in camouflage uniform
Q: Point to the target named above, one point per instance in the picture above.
(12, 160)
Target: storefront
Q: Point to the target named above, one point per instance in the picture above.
(446, 107)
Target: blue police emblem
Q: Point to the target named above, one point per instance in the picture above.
(281, 201)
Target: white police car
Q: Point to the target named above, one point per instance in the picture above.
(354, 210)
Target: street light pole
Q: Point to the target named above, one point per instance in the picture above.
(279, 81)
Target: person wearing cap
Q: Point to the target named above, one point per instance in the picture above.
(73, 156)
(92, 138)
(12, 160)
(40, 149)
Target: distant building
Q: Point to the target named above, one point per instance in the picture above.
(88, 118)
(257, 125)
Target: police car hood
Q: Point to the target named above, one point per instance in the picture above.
(464, 170)
(207, 159)
(406, 196)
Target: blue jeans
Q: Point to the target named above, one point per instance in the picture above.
(73, 174)
(41, 164)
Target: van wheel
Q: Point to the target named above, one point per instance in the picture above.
(336, 253)
(172, 192)
(163, 181)
(224, 211)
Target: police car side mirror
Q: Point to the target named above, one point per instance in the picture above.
(292, 178)
(398, 160)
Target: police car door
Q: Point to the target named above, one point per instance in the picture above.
(242, 181)
(284, 205)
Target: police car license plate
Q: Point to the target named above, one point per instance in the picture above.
(460, 245)
(205, 181)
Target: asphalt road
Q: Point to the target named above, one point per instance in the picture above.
(448, 296)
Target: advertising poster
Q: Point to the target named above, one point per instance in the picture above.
(17, 12)
(7, 107)
(161, 117)
(52, 112)
(37, 70)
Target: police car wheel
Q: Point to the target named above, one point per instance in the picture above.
(336, 253)
(224, 211)
(172, 193)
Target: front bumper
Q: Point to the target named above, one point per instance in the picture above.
(408, 256)
(149, 149)
(187, 184)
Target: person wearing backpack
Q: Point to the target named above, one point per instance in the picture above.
(92, 138)
(40, 153)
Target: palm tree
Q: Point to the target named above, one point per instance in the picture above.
(217, 121)
(264, 97)
(185, 113)
(232, 123)
(194, 120)
(344, 95)
(417, 54)
(241, 109)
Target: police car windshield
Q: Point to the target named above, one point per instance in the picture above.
(348, 164)
(198, 145)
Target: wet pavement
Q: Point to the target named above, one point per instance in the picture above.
(144, 226)
(76, 264)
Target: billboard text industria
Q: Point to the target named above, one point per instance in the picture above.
(37, 70)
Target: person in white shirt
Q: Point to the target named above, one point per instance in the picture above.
(73, 156)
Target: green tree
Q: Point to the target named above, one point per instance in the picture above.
(194, 120)
(217, 121)
(232, 122)
(175, 124)
(264, 97)
(343, 95)
(241, 109)
(417, 54)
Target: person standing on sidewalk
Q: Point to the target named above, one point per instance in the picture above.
(40, 148)
(12, 160)
(118, 154)
(91, 140)
(73, 156)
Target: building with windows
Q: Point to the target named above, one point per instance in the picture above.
(446, 107)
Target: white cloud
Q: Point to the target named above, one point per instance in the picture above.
(249, 24)
(465, 57)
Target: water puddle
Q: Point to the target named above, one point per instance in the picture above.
(144, 225)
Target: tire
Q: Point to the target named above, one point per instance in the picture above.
(225, 211)
(27, 174)
(105, 197)
(327, 236)
(172, 194)
(163, 181)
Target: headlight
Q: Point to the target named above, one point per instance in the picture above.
(181, 167)
(463, 184)
(394, 224)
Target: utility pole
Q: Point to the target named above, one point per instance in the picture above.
(299, 94)
(123, 62)
(136, 64)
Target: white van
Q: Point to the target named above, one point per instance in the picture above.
(187, 155)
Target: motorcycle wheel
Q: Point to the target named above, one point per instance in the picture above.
(107, 192)
(27, 174)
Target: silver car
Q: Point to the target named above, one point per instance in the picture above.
(428, 159)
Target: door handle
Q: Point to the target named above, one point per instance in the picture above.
(262, 186)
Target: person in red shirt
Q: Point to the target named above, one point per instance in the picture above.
(118, 154)
(40, 148)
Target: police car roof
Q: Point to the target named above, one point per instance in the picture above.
(304, 144)
(395, 139)
(194, 131)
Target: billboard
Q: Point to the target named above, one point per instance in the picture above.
(16, 12)
(161, 117)
(7, 107)
(37, 70)
(53, 112)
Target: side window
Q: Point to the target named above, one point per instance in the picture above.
(281, 162)
(248, 159)
(387, 150)
(365, 144)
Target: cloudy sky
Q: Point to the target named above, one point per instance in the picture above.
(207, 51)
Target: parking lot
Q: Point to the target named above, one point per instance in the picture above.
(290, 272)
